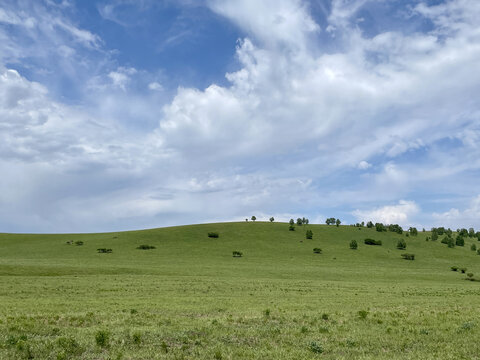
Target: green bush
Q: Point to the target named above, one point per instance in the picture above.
(104, 251)
(237, 254)
(309, 234)
(213, 235)
(291, 227)
(401, 244)
(372, 242)
(408, 256)
(146, 247)
(102, 338)
(463, 270)
(473, 247)
(362, 314)
(478, 251)
(353, 244)
(315, 347)
(470, 275)
(79, 243)
(454, 268)
(317, 250)
(459, 241)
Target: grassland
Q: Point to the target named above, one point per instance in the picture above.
(190, 299)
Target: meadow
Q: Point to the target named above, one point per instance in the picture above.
(189, 298)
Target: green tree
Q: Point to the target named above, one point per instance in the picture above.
(353, 245)
(272, 219)
(309, 234)
(292, 222)
(299, 222)
(338, 222)
(254, 218)
(369, 224)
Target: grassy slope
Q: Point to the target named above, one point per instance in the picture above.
(190, 299)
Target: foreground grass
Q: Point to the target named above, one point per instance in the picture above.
(190, 299)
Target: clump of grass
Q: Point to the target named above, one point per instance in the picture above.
(137, 337)
(309, 234)
(102, 338)
(362, 314)
(408, 256)
(317, 250)
(325, 316)
(218, 355)
(79, 243)
(315, 347)
(70, 348)
(213, 234)
(463, 270)
(164, 347)
(266, 312)
(146, 247)
(237, 253)
(369, 241)
(104, 251)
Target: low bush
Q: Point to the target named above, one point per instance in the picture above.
(408, 256)
(146, 247)
(473, 247)
(102, 338)
(309, 234)
(291, 228)
(362, 314)
(104, 251)
(470, 275)
(79, 243)
(213, 235)
(459, 241)
(372, 242)
(237, 254)
(315, 347)
(317, 250)
(353, 244)
(401, 244)
(478, 251)
(463, 270)
(454, 268)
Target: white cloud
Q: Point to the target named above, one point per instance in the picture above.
(401, 213)
(155, 86)
(363, 165)
(456, 218)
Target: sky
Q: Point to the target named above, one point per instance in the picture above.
(130, 114)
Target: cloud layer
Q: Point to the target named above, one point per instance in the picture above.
(323, 115)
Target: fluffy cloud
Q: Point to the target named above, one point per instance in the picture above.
(456, 218)
(401, 213)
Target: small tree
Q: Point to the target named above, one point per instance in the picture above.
(254, 218)
(291, 222)
(473, 247)
(299, 222)
(353, 245)
(291, 228)
(369, 224)
(272, 219)
(459, 241)
(338, 222)
(309, 234)
(317, 250)
(401, 244)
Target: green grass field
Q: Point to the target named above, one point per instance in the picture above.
(190, 299)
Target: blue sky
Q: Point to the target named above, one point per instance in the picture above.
(127, 114)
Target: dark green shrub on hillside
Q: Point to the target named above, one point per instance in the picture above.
(463, 270)
(434, 236)
(408, 256)
(462, 232)
(309, 234)
(315, 347)
(413, 231)
(444, 240)
(470, 275)
(353, 245)
(237, 254)
(401, 244)
(79, 243)
(317, 250)
(146, 247)
(473, 247)
(291, 228)
(292, 222)
(104, 251)
(478, 251)
(395, 228)
(450, 243)
(380, 227)
(459, 241)
(213, 235)
(299, 222)
(454, 268)
(372, 242)
(471, 232)
(362, 314)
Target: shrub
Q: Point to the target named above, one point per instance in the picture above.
(478, 251)
(459, 241)
(102, 338)
(473, 247)
(408, 256)
(317, 250)
(79, 243)
(470, 275)
(353, 244)
(237, 254)
(454, 268)
(362, 314)
(213, 235)
(325, 316)
(401, 244)
(309, 234)
(146, 247)
(315, 347)
(372, 242)
(291, 228)
(463, 270)
(450, 243)
(104, 251)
